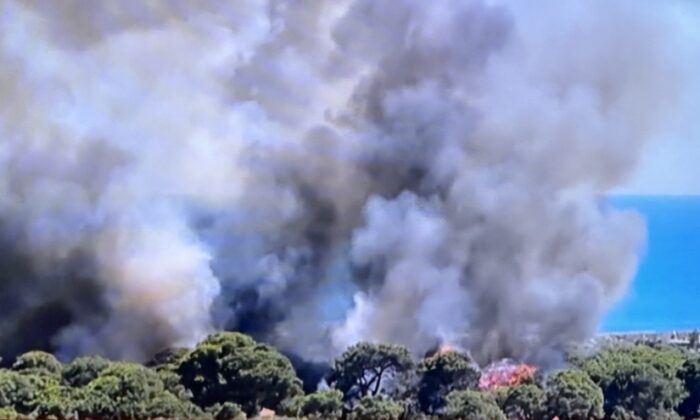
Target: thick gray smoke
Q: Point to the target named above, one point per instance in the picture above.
(321, 172)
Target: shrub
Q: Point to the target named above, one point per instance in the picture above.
(472, 405)
(376, 408)
(572, 395)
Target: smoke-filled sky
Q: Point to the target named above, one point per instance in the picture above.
(669, 166)
(170, 168)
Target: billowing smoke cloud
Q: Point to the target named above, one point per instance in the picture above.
(321, 172)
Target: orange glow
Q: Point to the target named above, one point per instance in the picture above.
(445, 348)
(505, 374)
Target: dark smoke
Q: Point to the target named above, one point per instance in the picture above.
(318, 173)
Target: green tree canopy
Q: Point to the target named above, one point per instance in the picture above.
(472, 405)
(39, 363)
(523, 402)
(8, 413)
(376, 408)
(441, 374)
(82, 370)
(637, 380)
(601, 366)
(572, 395)
(55, 401)
(326, 404)
(172, 384)
(227, 411)
(123, 390)
(33, 395)
(168, 359)
(165, 405)
(364, 368)
(689, 374)
(17, 391)
(233, 367)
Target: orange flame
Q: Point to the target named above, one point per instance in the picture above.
(505, 374)
(445, 348)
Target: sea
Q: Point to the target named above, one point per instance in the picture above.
(665, 294)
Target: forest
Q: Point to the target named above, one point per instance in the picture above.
(231, 376)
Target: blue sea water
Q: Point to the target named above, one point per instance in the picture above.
(665, 295)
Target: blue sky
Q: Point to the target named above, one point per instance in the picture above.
(665, 293)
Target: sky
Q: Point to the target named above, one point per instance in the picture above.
(664, 294)
(665, 189)
(670, 165)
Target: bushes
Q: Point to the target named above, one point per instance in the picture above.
(8, 413)
(39, 363)
(637, 381)
(472, 405)
(318, 405)
(376, 408)
(82, 370)
(227, 411)
(572, 395)
(168, 406)
(17, 392)
(523, 402)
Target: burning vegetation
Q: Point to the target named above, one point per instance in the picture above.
(506, 373)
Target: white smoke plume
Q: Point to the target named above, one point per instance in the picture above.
(436, 170)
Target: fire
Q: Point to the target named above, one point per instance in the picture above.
(505, 373)
(445, 348)
(441, 349)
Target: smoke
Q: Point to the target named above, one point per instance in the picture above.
(318, 173)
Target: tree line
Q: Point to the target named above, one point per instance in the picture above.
(231, 376)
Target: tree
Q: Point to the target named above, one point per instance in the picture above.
(39, 363)
(17, 392)
(123, 390)
(57, 402)
(689, 374)
(33, 395)
(441, 374)
(523, 402)
(168, 359)
(601, 366)
(472, 405)
(365, 368)
(227, 411)
(128, 390)
(376, 408)
(171, 383)
(318, 405)
(167, 406)
(233, 367)
(82, 370)
(640, 390)
(637, 380)
(8, 413)
(572, 395)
